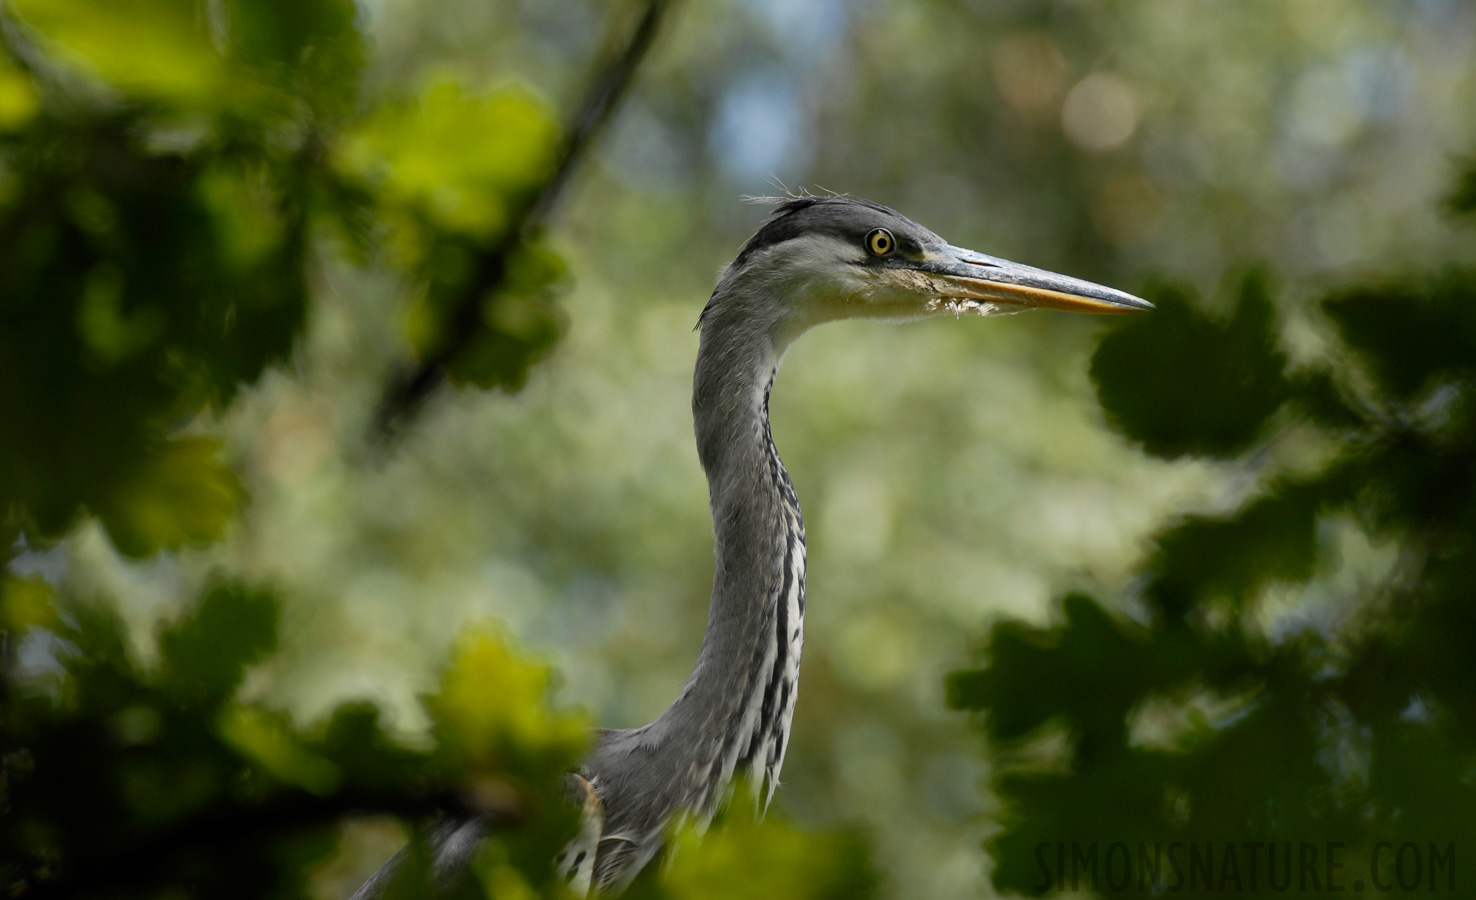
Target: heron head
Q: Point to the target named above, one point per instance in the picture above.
(818, 259)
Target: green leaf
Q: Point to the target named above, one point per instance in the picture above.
(267, 738)
(1182, 382)
(253, 62)
(449, 163)
(156, 49)
(135, 289)
(450, 172)
(309, 48)
(1036, 675)
(1273, 538)
(25, 603)
(18, 101)
(741, 856)
(520, 324)
(1411, 332)
(493, 710)
(204, 657)
(180, 494)
(1317, 394)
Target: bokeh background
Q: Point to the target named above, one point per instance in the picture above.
(954, 473)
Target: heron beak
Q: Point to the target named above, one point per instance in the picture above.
(966, 278)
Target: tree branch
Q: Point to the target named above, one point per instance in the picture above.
(153, 861)
(409, 387)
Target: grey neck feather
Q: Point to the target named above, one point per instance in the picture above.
(733, 714)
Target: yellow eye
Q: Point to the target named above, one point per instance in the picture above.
(880, 242)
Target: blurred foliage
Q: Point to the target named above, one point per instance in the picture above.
(951, 472)
(1463, 199)
(740, 856)
(124, 781)
(448, 171)
(167, 177)
(173, 175)
(1237, 379)
(1220, 712)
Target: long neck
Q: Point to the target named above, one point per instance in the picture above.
(739, 700)
(733, 715)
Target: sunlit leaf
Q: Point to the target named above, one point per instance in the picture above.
(450, 161)
(744, 857)
(18, 101)
(25, 603)
(268, 739)
(493, 707)
(247, 216)
(181, 494)
(111, 333)
(156, 48)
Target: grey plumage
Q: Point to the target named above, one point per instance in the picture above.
(452, 843)
(815, 260)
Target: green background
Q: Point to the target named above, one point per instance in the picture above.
(225, 225)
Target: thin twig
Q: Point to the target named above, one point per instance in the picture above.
(409, 387)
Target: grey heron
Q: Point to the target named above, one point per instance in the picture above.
(815, 260)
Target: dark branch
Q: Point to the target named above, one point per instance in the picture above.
(409, 387)
(155, 860)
